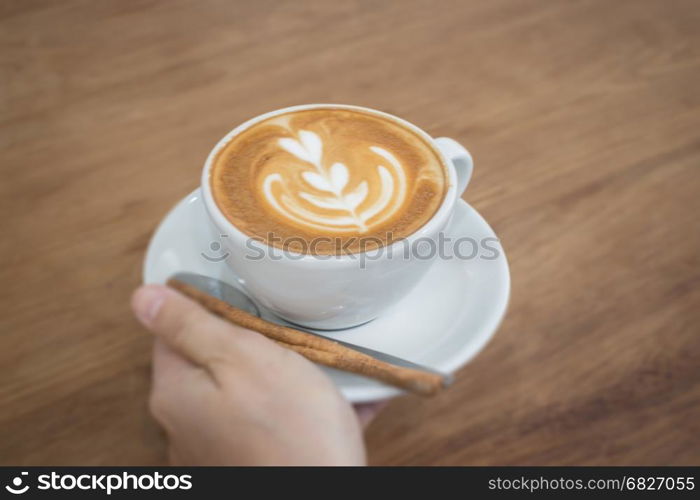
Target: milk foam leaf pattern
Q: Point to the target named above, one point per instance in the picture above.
(339, 177)
(319, 201)
(326, 203)
(318, 181)
(357, 195)
(296, 148)
(313, 145)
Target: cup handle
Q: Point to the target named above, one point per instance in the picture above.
(460, 158)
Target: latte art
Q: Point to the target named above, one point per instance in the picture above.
(323, 200)
(328, 172)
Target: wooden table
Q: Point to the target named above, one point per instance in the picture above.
(583, 118)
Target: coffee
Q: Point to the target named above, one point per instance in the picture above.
(328, 179)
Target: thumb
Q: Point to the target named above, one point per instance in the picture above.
(185, 326)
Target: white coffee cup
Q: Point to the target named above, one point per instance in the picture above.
(335, 292)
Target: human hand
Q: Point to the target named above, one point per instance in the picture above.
(229, 396)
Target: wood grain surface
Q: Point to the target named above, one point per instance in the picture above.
(584, 121)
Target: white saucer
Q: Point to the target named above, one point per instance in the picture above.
(443, 323)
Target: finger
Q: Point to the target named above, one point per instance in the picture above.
(366, 412)
(169, 374)
(185, 326)
(169, 368)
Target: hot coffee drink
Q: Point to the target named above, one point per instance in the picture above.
(322, 179)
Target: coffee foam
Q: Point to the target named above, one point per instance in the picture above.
(328, 172)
